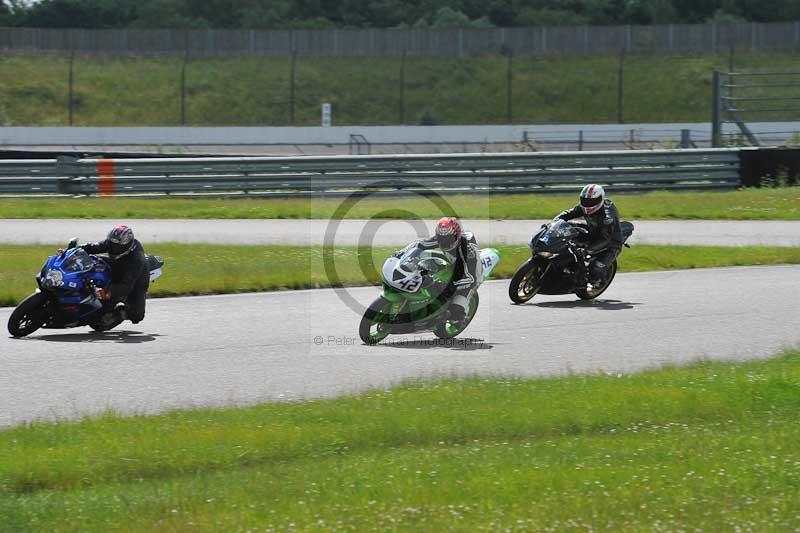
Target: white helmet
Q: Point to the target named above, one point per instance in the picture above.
(592, 197)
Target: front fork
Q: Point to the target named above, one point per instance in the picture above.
(582, 262)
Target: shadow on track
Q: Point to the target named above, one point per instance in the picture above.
(114, 337)
(464, 344)
(603, 305)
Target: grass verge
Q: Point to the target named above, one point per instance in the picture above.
(747, 204)
(712, 446)
(249, 91)
(216, 269)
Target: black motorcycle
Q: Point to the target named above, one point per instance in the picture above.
(559, 262)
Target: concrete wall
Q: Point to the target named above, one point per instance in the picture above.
(76, 136)
(305, 135)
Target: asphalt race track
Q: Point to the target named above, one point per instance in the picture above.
(237, 350)
(386, 232)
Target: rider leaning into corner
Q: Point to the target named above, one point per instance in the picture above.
(130, 275)
(602, 221)
(462, 250)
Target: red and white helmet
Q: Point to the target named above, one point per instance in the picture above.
(448, 233)
(592, 197)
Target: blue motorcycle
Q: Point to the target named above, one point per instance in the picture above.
(69, 292)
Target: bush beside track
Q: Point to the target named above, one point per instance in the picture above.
(193, 269)
(747, 204)
(711, 446)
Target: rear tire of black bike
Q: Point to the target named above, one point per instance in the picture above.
(583, 294)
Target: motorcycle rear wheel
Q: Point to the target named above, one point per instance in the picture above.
(29, 315)
(448, 330)
(373, 328)
(526, 281)
(583, 294)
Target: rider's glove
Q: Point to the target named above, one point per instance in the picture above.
(60, 251)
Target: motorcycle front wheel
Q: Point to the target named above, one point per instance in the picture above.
(526, 281)
(29, 315)
(374, 327)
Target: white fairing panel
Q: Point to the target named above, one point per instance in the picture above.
(155, 274)
(388, 268)
(406, 281)
(489, 260)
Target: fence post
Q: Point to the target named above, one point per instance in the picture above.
(716, 112)
(509, 115)
(714, 37)
(586, 39)
(292, 87)
(70, 83)
(797, 33)
(183, 85)
(621, 87)
(403, 88)
(686, 138)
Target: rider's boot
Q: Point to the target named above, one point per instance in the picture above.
(583, 270)
(121, 310)
(458, 308)
(597, 274)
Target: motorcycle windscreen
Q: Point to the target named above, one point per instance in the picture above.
(78, 261)
(562, 230)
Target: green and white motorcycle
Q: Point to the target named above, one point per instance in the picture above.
(417, 294)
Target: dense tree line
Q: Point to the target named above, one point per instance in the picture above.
(382, 13)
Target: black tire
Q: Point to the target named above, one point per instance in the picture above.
(375, 315)
(583, 294)
(525, 283)
(30, 315)
(444, 332)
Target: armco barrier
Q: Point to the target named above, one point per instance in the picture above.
(317, 175)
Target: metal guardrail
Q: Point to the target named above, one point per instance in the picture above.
(318, 175)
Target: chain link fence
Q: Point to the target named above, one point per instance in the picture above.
(710, 37)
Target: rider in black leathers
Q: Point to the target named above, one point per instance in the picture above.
(130, 275)
(462, 248)
(605, 235)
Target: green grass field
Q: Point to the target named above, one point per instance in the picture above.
(708, 447)
(217, 269)
(746, 204)
(145, 91)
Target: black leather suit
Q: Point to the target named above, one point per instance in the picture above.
(130, 277)
(605, 235)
